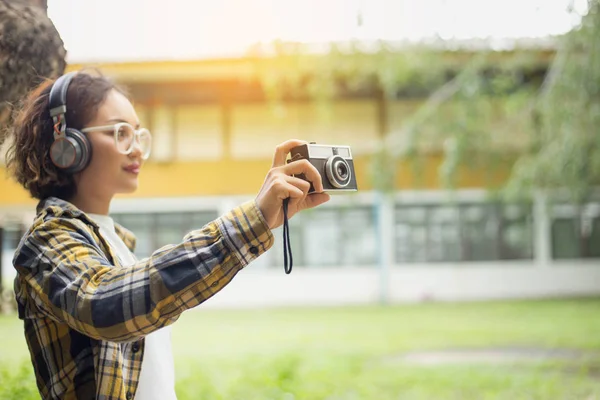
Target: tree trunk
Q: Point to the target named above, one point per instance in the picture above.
(31, 50)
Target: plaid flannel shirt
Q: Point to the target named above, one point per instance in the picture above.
(85, 316)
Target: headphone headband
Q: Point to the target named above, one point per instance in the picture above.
(58, 95)
(71, 151)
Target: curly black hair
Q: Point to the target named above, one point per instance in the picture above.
(31, 134)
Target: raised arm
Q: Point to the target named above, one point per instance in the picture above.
(64, 274)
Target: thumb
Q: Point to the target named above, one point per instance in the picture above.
(316, 199)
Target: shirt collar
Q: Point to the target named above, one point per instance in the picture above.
(58, 207)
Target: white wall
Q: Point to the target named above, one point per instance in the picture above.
(8, 272)
(427, 282)
(415, 283)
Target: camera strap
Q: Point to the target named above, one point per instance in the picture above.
(287, 248)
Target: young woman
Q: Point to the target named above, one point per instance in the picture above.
(96, 319)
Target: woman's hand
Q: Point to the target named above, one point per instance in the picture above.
(280, 184)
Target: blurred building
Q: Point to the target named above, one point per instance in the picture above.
(214, 136)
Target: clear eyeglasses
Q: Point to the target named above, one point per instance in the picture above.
(125, 137)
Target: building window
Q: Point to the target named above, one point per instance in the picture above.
(463, 232)
(11, 236)
(155, 230)
(329, 237)
(576, 231)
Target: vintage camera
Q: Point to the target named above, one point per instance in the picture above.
(334, 163)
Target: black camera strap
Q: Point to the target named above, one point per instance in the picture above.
(286, 239)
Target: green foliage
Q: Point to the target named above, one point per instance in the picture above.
(316, 377)
(354, 379)
(479, 111)
(383, 170)
(298, 70)
(17, 382)
(356, 353)
(565, 151)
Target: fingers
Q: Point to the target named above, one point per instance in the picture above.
(316, 199)
(283, 149)
(294, 188)
(301, 184)
(309, 171)
(297, 190)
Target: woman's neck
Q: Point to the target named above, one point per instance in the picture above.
(92, 203)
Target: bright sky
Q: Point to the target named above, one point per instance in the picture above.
(118, 30)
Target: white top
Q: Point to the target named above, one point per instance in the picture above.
(157, 377)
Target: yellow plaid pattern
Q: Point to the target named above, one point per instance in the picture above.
(85, 316)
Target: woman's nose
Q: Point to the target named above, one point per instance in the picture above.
(136, 150)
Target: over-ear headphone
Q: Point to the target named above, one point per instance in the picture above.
(71, 149)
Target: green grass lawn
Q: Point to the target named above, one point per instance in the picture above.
(355, 352)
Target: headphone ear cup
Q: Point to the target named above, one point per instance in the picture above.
(72, 152)
(84, 154)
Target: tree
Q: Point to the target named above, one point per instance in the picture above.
(565, 144)
(31, 50)
(465, 91)
(541, 121)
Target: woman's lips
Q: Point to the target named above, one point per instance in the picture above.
(133, 168)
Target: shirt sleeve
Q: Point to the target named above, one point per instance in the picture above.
(68, 278)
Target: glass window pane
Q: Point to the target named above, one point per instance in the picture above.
(170, 228)
(11, 238)
(358, 246)
(443, 242)
(466, 232)
(154, 230)
(197, 219)
(142, 226)
(516, 233)
(479, 232)
(321, 236)
(594, 239)
(565, 238)
(411, 234)
(418, 242)
(402, 238)
(576, 231)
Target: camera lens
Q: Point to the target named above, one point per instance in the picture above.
(341, 171)
(338, 171)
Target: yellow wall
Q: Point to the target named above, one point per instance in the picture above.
(257, 128)
(246, 176)
(198, 133)
(224, 149)
(189, 157)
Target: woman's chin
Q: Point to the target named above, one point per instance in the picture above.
(129, 187)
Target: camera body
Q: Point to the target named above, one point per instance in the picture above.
(334, 163)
